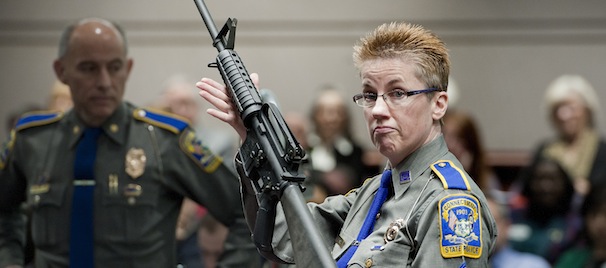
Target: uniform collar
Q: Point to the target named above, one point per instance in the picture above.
(407, 171)
(114, 128)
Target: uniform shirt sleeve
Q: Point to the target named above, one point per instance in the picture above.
(195, 172)
(328, 216)
(12, 237)
(12, 219)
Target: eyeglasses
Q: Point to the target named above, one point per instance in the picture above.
(392, 98)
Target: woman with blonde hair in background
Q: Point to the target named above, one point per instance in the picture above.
(572, 106)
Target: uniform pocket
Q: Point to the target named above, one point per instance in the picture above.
(391, 254)
(127, 212)
(50, 214)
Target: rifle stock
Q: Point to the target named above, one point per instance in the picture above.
(271, 156)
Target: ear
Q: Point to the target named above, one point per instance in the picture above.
(59, 70)
(440, 104)
(129, 65)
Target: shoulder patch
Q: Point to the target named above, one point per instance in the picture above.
(33, 119)
(194, 148)
(451, 176)
(7, 147)
(168, 121)
(460, 226)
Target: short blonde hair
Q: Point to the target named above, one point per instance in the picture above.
(409, 42)
(564, 86)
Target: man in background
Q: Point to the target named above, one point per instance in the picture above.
(105, 181)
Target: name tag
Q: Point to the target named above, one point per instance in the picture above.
(39, 188)
(84, 183)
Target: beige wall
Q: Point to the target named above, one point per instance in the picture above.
(504, 53)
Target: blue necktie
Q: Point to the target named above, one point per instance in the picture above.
(369, 222)
(82, 229)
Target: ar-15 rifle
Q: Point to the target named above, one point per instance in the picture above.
(271, 155)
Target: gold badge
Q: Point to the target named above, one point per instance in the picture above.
(393, 230)
(135, 162)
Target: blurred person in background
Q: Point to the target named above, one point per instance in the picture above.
(573, 108)
(464, 140)
(333, 147)
(544, 219)
(179, 96)
(60, 98)
(315, 190)
(591, 250)
(505, 256)
(463, 136)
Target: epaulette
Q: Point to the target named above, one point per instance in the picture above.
(168, 121)
(451, 176)
(41, 118)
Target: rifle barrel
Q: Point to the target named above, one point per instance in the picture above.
(210, 25)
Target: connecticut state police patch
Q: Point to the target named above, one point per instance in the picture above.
(6, 148)
(198, 152)
(460, 226)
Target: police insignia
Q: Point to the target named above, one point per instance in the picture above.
(131, 192)
(460, 226)
(392, 231)
(198, 152)
(135, 162)
(7, 147)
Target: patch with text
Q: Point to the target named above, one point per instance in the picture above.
(460, 226)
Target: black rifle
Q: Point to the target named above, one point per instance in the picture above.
(271, 156)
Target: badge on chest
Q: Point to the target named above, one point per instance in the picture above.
(135, 162)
